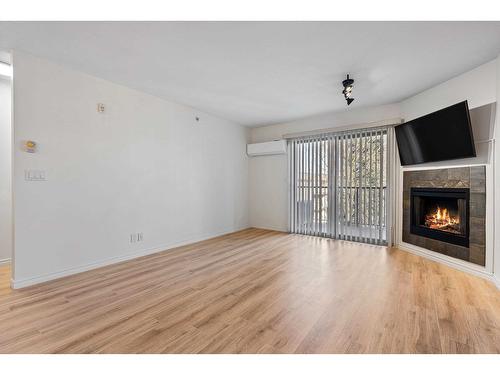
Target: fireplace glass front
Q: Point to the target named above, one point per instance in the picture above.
(441, 214)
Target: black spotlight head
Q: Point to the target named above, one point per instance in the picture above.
(348, 84)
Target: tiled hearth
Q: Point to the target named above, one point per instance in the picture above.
(436, 228)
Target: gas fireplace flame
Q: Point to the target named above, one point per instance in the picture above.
(441, 219)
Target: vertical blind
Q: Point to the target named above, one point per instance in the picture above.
(339, 185)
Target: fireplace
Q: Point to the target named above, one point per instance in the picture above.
(441, 214)
(460, 232)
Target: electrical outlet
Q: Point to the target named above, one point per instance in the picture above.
(136, 237)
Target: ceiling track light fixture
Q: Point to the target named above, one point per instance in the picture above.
(348, 84)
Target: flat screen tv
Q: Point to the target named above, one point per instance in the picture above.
(442, 135)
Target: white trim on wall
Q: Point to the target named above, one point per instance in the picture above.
(496, 280)
(459, 264)
(7, 131)
(4, 261)
(22, 283)
(273, 228)
(382, 123)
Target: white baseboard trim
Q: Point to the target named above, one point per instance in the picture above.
(461, 265)
(270, 227)
(22, 283)
(4, 261)
(496, 281)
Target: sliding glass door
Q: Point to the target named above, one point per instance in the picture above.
(339, 185)
(310, 209)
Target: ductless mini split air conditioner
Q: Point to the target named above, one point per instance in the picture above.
(267, 148)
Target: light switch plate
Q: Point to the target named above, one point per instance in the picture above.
(34, 175)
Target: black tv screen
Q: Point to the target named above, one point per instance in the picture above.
(442, 135)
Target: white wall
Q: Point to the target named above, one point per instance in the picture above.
(350, 116)
(268, 192)
(145, 165)
(268, 187)
(5, 171)
(478, 86)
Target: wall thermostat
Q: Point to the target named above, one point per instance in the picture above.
(100, 107)
(29, 146)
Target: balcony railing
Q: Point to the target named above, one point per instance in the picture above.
(363, 211)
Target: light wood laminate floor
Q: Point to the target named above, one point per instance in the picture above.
(256, 291)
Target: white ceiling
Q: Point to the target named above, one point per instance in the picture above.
(257, 73)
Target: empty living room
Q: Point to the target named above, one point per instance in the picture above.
(219, 185)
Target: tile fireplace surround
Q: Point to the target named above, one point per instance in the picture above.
(473, 178)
